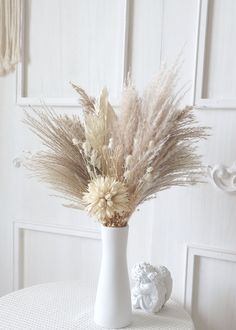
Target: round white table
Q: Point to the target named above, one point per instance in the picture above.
(69, 305)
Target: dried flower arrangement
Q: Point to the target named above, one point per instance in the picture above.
(112, 162)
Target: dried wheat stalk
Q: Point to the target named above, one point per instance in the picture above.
(111, 162)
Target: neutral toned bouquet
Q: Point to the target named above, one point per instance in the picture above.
(112, 161)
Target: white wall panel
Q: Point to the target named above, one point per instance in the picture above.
(44, 253)
(215, 53)
(214, 299)
(52, 257)
(78, 41)
(220, 53)
(145, 40)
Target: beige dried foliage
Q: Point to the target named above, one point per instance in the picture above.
(111, 162)
(86, 101)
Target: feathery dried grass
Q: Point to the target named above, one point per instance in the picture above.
(148, 146)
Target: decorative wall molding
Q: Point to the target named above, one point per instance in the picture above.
(201, 51)
(24, 100)
(223, 177)
(18, 243)
(22, 158)
(193, 251)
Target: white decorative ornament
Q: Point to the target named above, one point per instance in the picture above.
(153, 287)
(17, 162)
(22, 159)
(223, 177)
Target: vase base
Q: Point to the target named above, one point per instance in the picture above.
(112, 325)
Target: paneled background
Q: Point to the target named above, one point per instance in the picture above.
(191, 231)
(75, 40)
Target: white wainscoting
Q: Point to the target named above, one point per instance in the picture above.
(210, 287)
(215, 56)
(102, 73)
(20, 228)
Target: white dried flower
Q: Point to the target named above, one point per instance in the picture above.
(102, 102)
(106, 198)
(128, 161)
(135, 142)
(110, 145)
(126, 174)
(149, 169)
(98, 163)
(151, 144)
(93, 157)
(97, 123)
(86, 147)
(75, 141)
(95, 160)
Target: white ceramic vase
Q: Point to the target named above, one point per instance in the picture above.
(113, 300)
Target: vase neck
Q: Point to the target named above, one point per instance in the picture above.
(114, 240)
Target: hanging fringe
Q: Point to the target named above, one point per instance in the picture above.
(10, 34)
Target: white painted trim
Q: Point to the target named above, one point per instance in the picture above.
(125, 47)
(22, 100)
(21, 64)
(201, 49)
(18, 241)
(222, 104)
(193, 251)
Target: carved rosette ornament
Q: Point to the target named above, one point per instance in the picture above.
(223, 177)
(152, 288)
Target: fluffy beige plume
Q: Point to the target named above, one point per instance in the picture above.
(112, 162)
(87, 102)
(96, 123)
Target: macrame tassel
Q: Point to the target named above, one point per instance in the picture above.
(10, 32)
